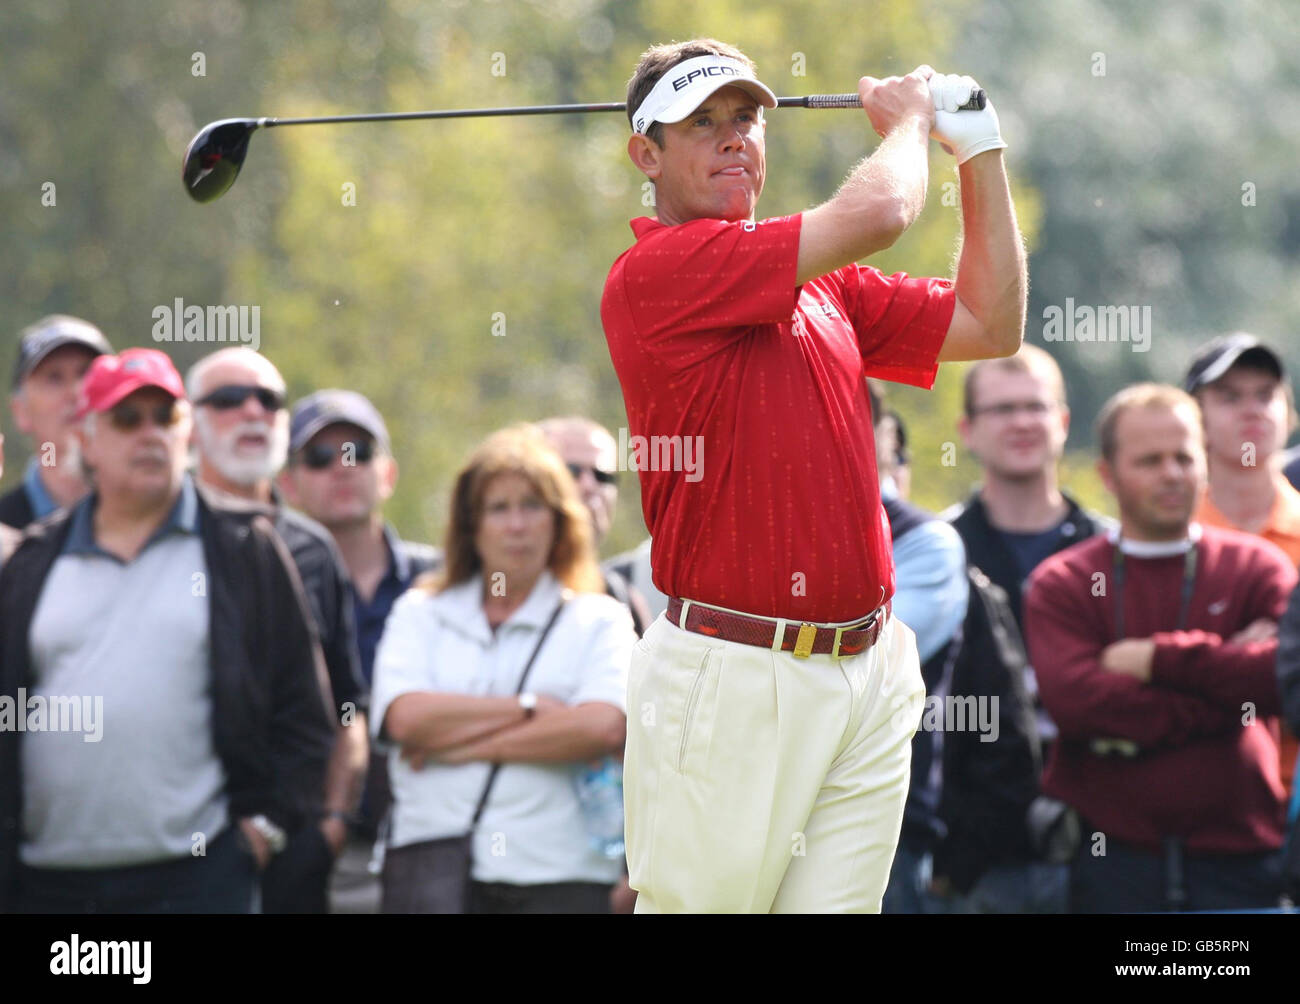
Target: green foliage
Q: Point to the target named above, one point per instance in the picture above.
(1142, 125)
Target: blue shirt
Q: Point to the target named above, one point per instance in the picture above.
(406, 562)
(42, 503)
(930, 585)
(184, 518)
(1031, 549)
(130, 642)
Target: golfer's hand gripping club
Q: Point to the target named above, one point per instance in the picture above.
(970, 132)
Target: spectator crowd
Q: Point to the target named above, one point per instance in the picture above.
(228, 685)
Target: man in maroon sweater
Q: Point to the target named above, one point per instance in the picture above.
(1155, 649)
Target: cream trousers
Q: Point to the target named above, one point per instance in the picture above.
(755, 782)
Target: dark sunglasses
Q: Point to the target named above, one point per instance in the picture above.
(318, 456)
(233, 395)
(603, 477)
(127, 417)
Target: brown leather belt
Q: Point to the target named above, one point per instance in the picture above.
(801, 638)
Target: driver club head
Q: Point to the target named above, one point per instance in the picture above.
(214, 157)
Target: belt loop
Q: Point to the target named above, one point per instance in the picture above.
(835, 649)
(686, 606)
(778, 640)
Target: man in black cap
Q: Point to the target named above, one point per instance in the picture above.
(341, 471)
(1248, 410)
(53, 356)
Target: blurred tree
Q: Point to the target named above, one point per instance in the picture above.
(1162, 139)
(462, 288)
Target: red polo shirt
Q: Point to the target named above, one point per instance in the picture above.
(745, 397)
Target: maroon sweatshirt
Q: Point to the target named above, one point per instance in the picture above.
(1206, 767)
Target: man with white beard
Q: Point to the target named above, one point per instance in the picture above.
(241, 437)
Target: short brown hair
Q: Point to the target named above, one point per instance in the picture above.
(659, 59)
(519, 449)
(1028, 359)
(1142, 395)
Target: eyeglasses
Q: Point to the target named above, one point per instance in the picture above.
(1035, 409)
(128, 417)
(318, 456)
(603, 477)
(234, 395)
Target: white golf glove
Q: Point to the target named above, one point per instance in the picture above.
(963, 134)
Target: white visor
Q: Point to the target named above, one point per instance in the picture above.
(683, 89)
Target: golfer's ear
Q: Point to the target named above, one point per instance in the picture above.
(645, 155)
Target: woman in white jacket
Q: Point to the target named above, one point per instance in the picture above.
(449, 664)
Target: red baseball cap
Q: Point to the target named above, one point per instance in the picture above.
(111, 378)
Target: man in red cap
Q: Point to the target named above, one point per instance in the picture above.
(164, 718)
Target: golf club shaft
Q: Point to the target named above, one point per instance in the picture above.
(807, 101)
(977, 101)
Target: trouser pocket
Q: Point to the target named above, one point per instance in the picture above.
(689, 711)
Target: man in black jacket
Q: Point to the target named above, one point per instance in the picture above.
(164, 714)
(341, 472)
(1015, 423)
(241, 431)
(975, 758)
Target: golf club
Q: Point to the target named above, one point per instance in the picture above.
(215, 155)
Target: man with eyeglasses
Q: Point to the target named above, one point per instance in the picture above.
(590, 453)
(241, 436)
(53, 356)
(1015, 424)
(341, 472)
(174, 636)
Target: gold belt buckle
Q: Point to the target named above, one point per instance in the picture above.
(803, 643)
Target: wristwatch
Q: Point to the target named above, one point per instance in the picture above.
(528, 701)
(274, 836)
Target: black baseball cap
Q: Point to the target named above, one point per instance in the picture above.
(1217, 356)
(335, 407)
(36, 341)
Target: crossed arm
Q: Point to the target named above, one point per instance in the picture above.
(454, 728)
(1086, 699)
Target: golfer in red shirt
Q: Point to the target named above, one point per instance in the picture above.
(771, 709)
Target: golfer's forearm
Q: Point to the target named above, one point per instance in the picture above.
(580, 733)
(879, 200)
(440, 721)
(346, 771)
(991, 279)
